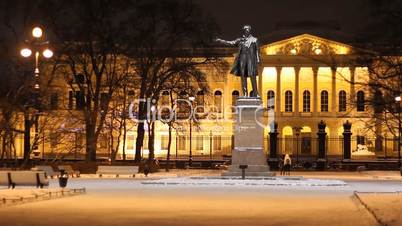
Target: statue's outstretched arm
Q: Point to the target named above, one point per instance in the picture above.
(231, 43)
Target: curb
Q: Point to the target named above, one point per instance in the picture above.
(11, 201)
(379, 221)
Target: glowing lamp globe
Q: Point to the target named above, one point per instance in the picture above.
(26, 52)
(47, 53)
(37, 32)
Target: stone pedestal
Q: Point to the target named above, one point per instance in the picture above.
(249, 139)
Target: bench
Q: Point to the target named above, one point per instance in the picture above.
(23, 178)
(117, 170)
(49, 172)
(69, 170)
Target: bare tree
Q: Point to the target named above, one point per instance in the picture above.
(170, 39)
(91, 37)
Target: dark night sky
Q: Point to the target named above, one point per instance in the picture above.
(263, 15)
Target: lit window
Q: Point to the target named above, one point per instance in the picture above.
(324, 101)
(165, 98)
(306, 101)
(342, 101)
(218, 101)
(200, 101)
(235, 95)
(360, 101)
(199, 143)
(288, 101)
(318, 51)
(217, 142)
(270, 100)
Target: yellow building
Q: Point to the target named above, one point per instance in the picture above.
(304, 79)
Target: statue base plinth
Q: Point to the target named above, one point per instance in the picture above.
(249, 140)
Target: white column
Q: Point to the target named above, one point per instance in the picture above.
(315, 91)
(297, 85)
(278, 93)
(260, 86)
(352, 94)
(333, 90)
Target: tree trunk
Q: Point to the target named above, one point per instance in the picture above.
(168, 148)
(124, 138)
(151, 141)
(91, 143)
(27, 136)
(140, 131)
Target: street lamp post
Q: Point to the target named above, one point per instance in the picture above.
(39, 46)
(297, 132)
(190, 157)
(398, 101)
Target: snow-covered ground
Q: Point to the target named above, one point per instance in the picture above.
(387, 207)
(238, 182)
(128, 201)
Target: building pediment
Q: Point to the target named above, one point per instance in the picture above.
(306, 44)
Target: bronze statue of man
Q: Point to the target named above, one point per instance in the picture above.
(247, 60)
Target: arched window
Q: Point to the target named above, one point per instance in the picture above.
(324, 101)
(271, 100)
(342, 101)
(288, 101)
(306, 101)
(200, 101)
(165, 97)
(182, 103)
(360, 101)
(252, 94)
(235, 95)
(218, 101)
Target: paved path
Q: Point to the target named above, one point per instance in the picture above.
(127, 202)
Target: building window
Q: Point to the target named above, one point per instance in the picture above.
(235, 95)
(218, 101)
(54, 101)
(306, 101)
(271, 100)
(360, 140)
(79, 100)
(199, 143)
(130, 142)
(200, 101)
(182, 143)
(164, 142)
(324, 101)
(165, 98)
(288, 101)
(342, 100)
(104, 101)
(182, 103)
(103, 140)
(70, 100)
(360, 101)
(54, 140)
(217, 141)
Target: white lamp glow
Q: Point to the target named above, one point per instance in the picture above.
(398, 98)
(26, 52)
(37, 32)
(47, 53)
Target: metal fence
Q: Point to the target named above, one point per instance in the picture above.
(217, 147)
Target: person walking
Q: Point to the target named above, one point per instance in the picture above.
(287, 164)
